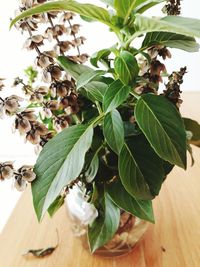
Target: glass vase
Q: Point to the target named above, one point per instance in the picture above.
(81, 213)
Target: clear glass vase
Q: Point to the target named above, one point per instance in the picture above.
(81, 214)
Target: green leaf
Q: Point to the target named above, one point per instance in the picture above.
(126, 67)
(124, 8)
(95, 90)
(174, 24)
(140, 208)
(113, 130)
(163, 126)
(149, 163)
(115, 95)
(74, 69)
(145, 5)
(56, 205)
(193, 127)
(131, 129)
(98, 56)
(105, 226)
(172, 40)
(92, 168)
(88, 10)
(87, 77)
(59, 163)
(131, 175)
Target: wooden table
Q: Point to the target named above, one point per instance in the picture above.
(174, 241)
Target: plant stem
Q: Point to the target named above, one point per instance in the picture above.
(99, 108)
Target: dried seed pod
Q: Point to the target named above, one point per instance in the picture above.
(33, 41)
(75, 28)
(33, 137)
(53, 105)
(23, 125)
(6, 170)
(27, 173)
(19, 183)
(40, 128)
(66, 16)
(29, 115)
(55, 72)
(11, 104)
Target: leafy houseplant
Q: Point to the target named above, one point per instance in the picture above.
(127, 137)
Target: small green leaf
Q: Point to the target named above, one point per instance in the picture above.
(140, 208)
(74, 69)
(126, 67)
(193, 127)
(131, 175)
(59, 163)
(105, 226)
(87, 77)
(145, 5)
(172, 40)
(163, 126)
(98, 56)
(88, 10)
(114, 131)
(115, 95)
(58, 202)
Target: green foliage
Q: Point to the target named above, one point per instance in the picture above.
(126, 67)
(172, 40)
(114, 130)
(115, 95)
(59, 164)
(141, 208)
(32, 74)
(137, 139)
(105, 226)
(193, 128)
(163, 127)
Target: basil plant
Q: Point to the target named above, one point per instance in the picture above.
(128, 136)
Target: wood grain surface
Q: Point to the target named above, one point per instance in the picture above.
(174, 241)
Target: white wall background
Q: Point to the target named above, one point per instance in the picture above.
(13, 60)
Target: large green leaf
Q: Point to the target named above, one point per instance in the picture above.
(95, 90)
(131, 175)
(115, 95)
(105, 226)
(87, 77)
(193, 127)
(140, 208)
(172, 40)
(163, 126)
(149, 163)
(113, 130)
(87, 10)
(59, 163)
(174, 24)
(74, 69)
(126, 67)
